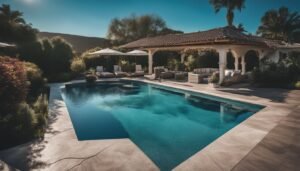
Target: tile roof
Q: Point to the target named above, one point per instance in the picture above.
(223, 35)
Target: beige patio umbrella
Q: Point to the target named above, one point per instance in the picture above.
(3, 45)
(106, 52)
(136, 53)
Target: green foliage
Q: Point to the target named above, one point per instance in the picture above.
(78, 65)
(13, 85)
(52, 56)
(127, 66)
(90, 78)
(280, 74)
(172, 64)
(204, 59)
(176, 65)
(161, 58)
(280, 24)
(214, 78)
(297, 85)
(191, 63)
(13, 27)
(41, 110)
(230, 5)
(133, 28)
(17, 125)
(35, 78)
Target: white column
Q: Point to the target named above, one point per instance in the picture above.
(236, 63)
(150, 61)
(222, 64)
(182, 57)
(243, 65)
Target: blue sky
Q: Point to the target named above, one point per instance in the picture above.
(92, 17)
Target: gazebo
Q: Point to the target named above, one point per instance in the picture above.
(223, 40)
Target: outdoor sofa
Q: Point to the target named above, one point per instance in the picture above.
(118, 71)
(102, 74)
(200, 74)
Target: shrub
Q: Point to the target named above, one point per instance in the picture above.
(297, 85)
(17, 126)
(172, 64)
(78, 66)
(274, 75)
(35, 78)
(41, 110)
(214, 78)
(90, 78)
(13, 85)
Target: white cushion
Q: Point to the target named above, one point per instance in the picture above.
(228, 73)
(99, 68)
(138, 68)
(116, 68)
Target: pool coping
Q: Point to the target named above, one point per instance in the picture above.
(236, 143)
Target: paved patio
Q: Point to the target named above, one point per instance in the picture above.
(268, 140)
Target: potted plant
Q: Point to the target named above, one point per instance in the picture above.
(90, 78)
(214, 80)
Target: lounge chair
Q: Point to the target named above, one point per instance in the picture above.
(118, 71)
(101, 74)
(138, 71)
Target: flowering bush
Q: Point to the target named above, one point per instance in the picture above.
(13, 83)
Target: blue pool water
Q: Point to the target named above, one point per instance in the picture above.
(168, 125)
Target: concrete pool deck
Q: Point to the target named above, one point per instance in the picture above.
(265, 141)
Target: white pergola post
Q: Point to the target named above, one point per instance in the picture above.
(236, 63)
(243, 65)
(182, 57)
(150, 61)
(222, 64)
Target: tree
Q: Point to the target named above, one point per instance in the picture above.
(231, 5)
(12, 17)
(13, 27)
(281, 24)
(241, 28)
(134, 28)
(57, 56)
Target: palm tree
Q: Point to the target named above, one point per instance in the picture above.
(231, 5)
(281, 24)
(12, 17)
(241, 28)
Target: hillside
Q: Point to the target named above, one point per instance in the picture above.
(80, 43)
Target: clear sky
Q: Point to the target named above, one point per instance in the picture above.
(92, 17)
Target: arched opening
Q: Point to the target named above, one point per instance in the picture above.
(230, 60)
(163, 58)
(207, 58)
(252, 60)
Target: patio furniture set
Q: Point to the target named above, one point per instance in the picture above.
(164, 73)
(199, 75)
(101, 73)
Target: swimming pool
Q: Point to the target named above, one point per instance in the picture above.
(168, 125)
